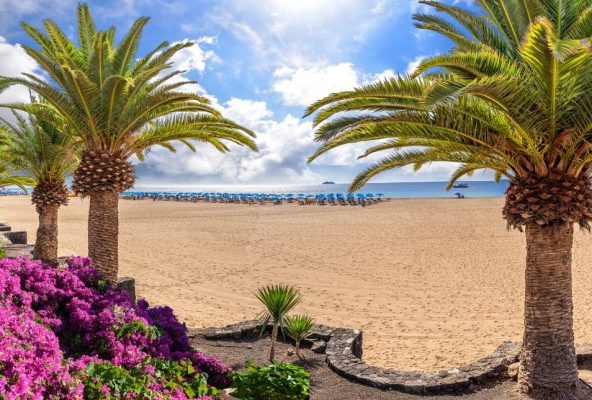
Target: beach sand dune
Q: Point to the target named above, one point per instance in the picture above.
(434, 283)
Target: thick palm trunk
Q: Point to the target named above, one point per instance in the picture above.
(46, 243)
(548, 368)
(103, 230)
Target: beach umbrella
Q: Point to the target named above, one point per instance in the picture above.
(369, 195)
(300, 194)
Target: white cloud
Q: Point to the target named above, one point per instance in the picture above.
(194, 58)
(413, 64)
(247, 112)
(283, 147)
(302, 86)
(14, 62)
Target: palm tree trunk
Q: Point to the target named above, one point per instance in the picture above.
(46, 243)
(298, 349)
(274, 335)
(103, 230)
(548, 368)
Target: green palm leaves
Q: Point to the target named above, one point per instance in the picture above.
(278, 300)
(512, 96)
(39, 146)
(118, 102)
(299, 328)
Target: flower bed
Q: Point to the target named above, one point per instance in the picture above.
(64, 335)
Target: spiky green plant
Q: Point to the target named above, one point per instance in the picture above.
(299, 328)
(118, 104)
(511, 96)
(278, 300)
(38, 147)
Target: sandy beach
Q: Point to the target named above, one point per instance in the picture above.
(434, 283)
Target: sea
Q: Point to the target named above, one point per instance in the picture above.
(391, 189)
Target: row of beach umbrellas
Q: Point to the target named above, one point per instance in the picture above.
(268, 196)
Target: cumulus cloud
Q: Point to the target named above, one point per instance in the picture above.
(302, 86)
(15, 62)
(413, 64)
(194, 58)
(283, 145)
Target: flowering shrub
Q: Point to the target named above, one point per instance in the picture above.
(106, 338)
(31, 363)
(154, 378)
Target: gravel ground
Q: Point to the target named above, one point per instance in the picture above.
(326, 385)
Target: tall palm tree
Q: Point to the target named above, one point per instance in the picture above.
(39, 148)
(511, 96)
(118, 105)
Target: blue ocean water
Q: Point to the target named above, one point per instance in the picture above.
(392, 189)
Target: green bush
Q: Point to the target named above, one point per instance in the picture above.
(104, 380)
(276, 381)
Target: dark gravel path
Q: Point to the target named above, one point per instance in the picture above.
(326, 385)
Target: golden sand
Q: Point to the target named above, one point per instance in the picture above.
(434, 283)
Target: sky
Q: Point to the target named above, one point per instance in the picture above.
(261, 62)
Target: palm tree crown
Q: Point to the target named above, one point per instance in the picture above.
(39, 148)
(118, 104)
(511, 96)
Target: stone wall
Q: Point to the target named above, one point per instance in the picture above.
(19, 237)
(344, 356)
(343, 351)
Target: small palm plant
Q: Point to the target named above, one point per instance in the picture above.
(278, 301)
(299, 328)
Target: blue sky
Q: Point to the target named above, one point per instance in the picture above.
(261, 62)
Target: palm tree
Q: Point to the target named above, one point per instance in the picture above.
(118, 105)
(40, 149)
(278, 301)
(299, 328)
(512, 96)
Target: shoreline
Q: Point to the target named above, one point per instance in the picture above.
(432, 284)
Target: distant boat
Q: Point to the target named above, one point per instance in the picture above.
(328, 183)
(461, 186)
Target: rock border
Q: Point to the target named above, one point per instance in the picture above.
(344, 356)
